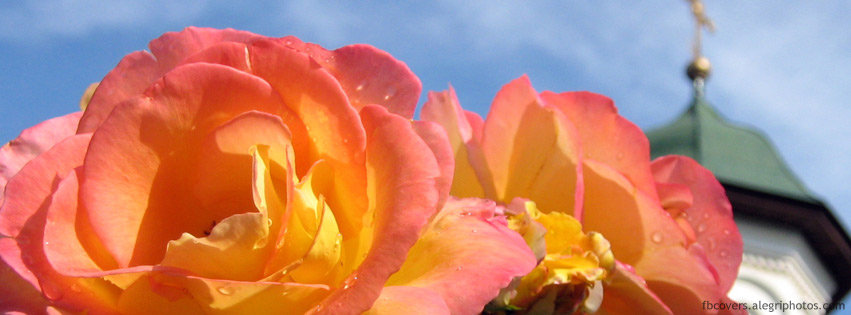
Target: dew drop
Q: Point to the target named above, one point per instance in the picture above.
(359, 87)
(225, 290)
(656, 237)
(51, 291)
(459, 268)
(345, 140)
(289, 43)
(723, 253)
(332, 57)
(75, 288)
(727, 232)
(390, 93)
(706, 215)
(474, 230)
(327, 60)
(701, 228)
(285, 293)
(269, 221)
(46, 243)
(620, 156)
(711, 242)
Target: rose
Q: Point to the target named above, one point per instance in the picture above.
(229, 172)
(669, 222)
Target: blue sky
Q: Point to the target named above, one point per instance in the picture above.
(782, 68)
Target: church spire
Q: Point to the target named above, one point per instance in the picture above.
(698, 69)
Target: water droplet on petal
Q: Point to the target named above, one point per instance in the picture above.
(345, 140)
(459, 268)
(711, 242)
(225, 290)
(289, 43)
(75, 288)
(51, 291)
(723, 253)
(474, 230)
(727, 232)
(706, 215)
(269, 221)
(656, 237)
(701, 228)
(327, 60)
(620, 156)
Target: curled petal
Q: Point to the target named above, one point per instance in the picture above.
(32, 142)
(32, 186)
(466, 279)
(435, 137)
(531, 148)
(118, 86)
(471, 177)
(152, 141)
(172, 48)
(332, 124)
(710, 215)
(367, 75)
(70, 244)
(402, 173)
(606, 136)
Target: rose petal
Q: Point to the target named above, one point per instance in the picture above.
(367, 75)
(138, 70)
(408, 300)
(231, 54)
(223, 296)
(402, 173)
(17, 294)
(471, 169)
(606, 136)
(628, 293)
(32, 142)
(653, 244)
(532, 148)
(152, 142)
(710, 215)
(33, 184)
(135, 73)
(332, 124)
(38, 180)
(70, 244)
(466, 279)
(435, 137)
(173, 48)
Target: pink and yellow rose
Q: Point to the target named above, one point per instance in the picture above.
(569, 158)
(227, 172)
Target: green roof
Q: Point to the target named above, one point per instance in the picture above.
(737, 155)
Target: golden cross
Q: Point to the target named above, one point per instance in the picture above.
(701, 21)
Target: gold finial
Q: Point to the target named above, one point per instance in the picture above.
(700, 66)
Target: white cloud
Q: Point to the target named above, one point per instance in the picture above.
(35, 20)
